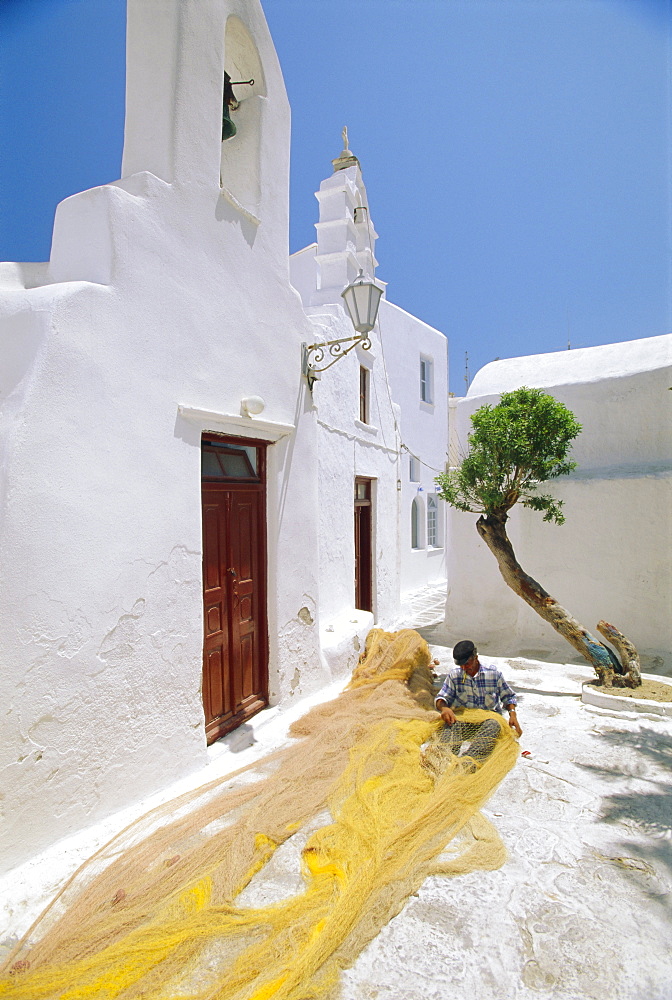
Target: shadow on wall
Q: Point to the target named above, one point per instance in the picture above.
(225, 211)
(304, 404)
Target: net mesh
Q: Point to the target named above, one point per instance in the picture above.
(155, 914)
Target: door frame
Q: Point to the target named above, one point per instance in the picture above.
(363, 513)
(215, 730)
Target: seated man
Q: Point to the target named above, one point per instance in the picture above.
(472, 684)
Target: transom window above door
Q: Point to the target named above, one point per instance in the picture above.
(362, 490)
(230, 461)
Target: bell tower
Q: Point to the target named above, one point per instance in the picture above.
(206, 103)
(346, 238)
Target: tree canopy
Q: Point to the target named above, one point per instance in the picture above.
(515, 445)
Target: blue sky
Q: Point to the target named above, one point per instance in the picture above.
(516, 152)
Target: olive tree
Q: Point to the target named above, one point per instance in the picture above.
(514, 447)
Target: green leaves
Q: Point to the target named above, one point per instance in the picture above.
(522, 441)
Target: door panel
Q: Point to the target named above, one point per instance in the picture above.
(216, 698)
(245, 510)
(216, 695)
(247, 665)
(244, 504)
(235, 670)
(211, 539)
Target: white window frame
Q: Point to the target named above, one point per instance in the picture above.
(364, 395)
(433, 527)
(417, 524)
(426, 379)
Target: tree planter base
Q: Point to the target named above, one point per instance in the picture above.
(592, 695)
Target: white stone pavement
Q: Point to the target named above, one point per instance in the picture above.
(422, 608)
(582, 908)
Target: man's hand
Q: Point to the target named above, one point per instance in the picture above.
(513, 721)
(447, 715)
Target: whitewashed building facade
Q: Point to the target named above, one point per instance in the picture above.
(612, 559)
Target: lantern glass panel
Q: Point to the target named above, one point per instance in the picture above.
(362, 300)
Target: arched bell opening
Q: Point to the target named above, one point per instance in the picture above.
(243, 94)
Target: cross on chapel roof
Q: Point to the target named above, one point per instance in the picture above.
(346, 159)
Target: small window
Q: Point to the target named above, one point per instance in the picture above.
(413, 469)
(417, 541)
(362, 490)
(426, 387)
(229, 461)
(432, 521)
(364, 394)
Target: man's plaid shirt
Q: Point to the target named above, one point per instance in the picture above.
(487, 689)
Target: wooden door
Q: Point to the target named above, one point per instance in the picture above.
(235, 661)
(363, 545)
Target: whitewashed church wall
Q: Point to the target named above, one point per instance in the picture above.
(165, 303)
(377, 449)
(349, 448)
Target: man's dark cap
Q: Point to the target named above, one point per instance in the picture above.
(463, 651)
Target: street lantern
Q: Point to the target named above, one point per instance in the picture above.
(362, 298)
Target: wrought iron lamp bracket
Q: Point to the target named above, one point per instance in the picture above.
(313, 354)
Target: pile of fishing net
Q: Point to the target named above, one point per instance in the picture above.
(158, 914)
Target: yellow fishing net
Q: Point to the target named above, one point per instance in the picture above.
(156, 914)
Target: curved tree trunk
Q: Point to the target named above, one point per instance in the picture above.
(610, 672)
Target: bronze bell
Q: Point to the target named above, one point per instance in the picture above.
(228, 128)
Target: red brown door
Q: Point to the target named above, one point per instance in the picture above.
(235, 665)
(363, 546)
